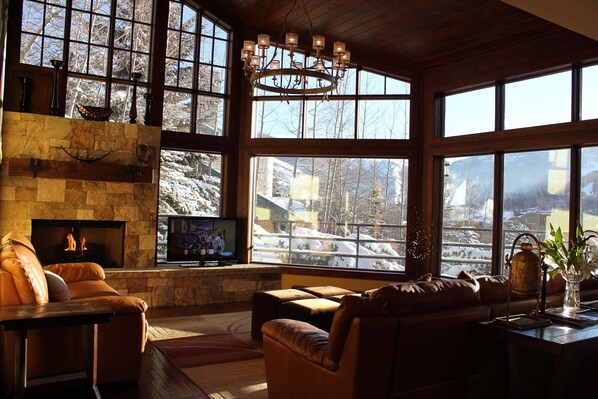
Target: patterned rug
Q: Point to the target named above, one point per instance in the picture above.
(215, 351)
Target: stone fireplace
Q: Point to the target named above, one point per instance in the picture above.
(40, 180)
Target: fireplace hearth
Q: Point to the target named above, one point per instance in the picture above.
(59, 241)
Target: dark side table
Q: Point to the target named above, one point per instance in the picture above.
(21, 318)
(565, 344)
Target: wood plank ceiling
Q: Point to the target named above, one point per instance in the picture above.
(412, 34)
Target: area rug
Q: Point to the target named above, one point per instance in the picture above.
(215, 352)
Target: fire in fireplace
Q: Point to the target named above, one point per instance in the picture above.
(58, 241)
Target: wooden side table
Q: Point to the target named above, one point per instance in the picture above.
(565, 344)
(21, 318)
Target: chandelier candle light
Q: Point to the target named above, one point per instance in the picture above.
(257, 67)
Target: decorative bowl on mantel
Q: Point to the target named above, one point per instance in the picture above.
(94, 113)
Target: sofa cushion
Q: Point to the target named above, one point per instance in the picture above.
(427, 296)
(57, 288)
(19, 259)
(324, 291)
(493, 288)
(351, 306)
(90, 289)
(80, 271)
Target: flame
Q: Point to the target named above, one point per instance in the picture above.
(71, 244)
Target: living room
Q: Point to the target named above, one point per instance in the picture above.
(175, 146)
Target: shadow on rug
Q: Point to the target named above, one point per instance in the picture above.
(215, 352)
(205, 350)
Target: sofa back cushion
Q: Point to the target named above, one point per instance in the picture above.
(434, 295)
(19, 259)
(351, 306)
(80, 271)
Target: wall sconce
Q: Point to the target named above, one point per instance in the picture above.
(525, 280)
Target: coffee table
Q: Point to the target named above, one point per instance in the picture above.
(565, 343)
(21, 318)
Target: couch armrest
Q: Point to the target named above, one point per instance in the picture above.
(301, 338)
(120, 304)
(71, 272)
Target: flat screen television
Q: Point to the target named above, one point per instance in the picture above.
(202, 240)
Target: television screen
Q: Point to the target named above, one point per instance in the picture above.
(201, 239)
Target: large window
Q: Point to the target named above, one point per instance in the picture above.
(589, 92)
(190, 184)
(468, 206)
(539, 101)
(536, 193)
(382, 107)
(338, 212)
(196, 72)
(589, 188)
(469, 112)
(101, 42)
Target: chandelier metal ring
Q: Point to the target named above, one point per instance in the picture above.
(256, 81)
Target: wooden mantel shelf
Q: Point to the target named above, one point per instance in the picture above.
(80, 170)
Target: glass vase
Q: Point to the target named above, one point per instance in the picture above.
(571, 301)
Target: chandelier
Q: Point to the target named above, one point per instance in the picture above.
(265, 72)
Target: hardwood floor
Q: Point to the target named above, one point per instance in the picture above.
(159, 379)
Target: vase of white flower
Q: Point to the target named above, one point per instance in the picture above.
(575, 261)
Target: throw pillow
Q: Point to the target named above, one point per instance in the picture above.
(57, 288)
(19, 259)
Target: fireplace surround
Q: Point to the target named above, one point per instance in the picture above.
(68, 196)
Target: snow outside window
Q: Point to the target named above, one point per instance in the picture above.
(190, 184)
(335, 212)
(467, 215)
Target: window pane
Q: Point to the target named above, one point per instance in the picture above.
(98, 57)
(101, 28)
(220, 51)
(189, 19)
(78, 57)
(338, 212)
(55, 20)
(177, 111)
(33, 14)
(383, 119)
(348, 85)
(589, 188)
(83, 91)
(122, 34)
(142, 38)
(121, 64)
(589, 93)
(277, 119)
(190, 184)
(210, 115)
(370, 83)
(31, 49)
(80, 22)
(143, 11)
(536, 194)
(120, 102)
(469, 112)
(218, 80)
(53, 50)
(467, 215)
(538, 101)
(330, 119)
(396, 86)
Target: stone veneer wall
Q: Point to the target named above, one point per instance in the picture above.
(41, 136)
(175, 286)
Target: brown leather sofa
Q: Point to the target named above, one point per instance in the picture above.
(406, 340)
(53, 351)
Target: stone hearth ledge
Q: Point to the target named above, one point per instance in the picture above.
(174, 285)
